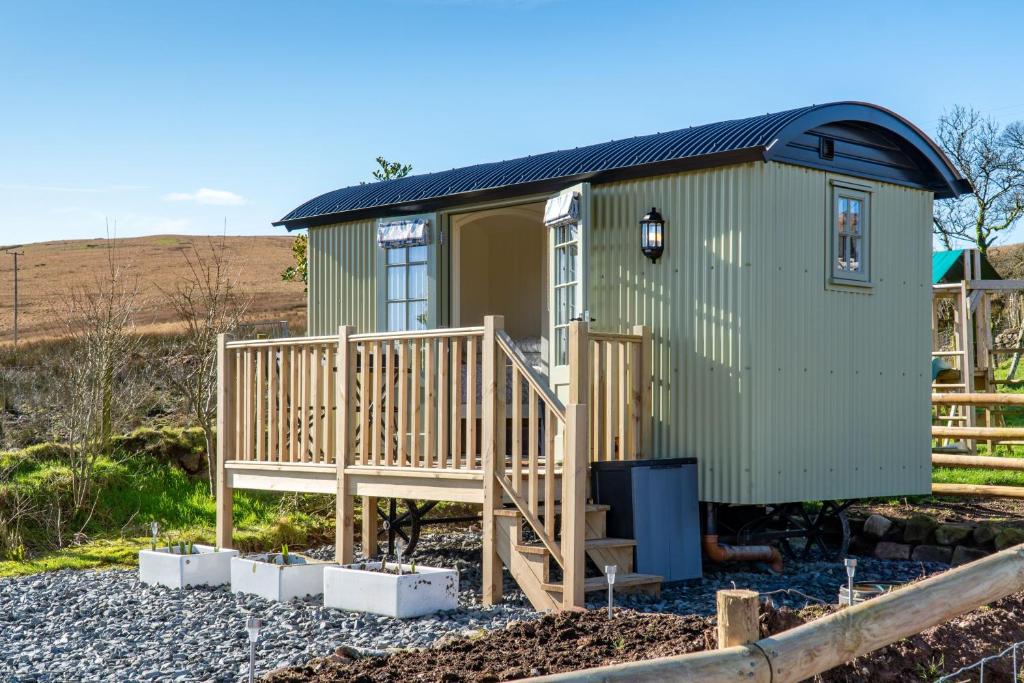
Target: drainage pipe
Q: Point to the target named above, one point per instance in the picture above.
(721, 552)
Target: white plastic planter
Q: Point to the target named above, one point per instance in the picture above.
(204, 567)
(268, 578)
(362, 587)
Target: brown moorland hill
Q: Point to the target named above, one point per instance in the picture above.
(49, 271)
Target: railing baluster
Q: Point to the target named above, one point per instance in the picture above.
(414, 409)
(332, 438)
(501, 421)
(389, 406)
(596, 393)
(611, 391)
(239, 412)
(442, 402)
(549, 472)
(517, 431)
(471, 395)
(316, 400)
(378, 402)
(363, 359)
(457, 398)
(532, 481)
(250, 436)
(403, 402)
(622, 401)
(430, 400)
(293, 405)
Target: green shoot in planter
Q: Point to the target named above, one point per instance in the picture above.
(284, 553)
(181, 547)
(412, 566)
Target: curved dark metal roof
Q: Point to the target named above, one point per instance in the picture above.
(713, 144)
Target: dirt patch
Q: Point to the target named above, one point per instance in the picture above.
(961, 511)
(552, 644)
(573, 641)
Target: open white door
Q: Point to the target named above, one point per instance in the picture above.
(567, 216)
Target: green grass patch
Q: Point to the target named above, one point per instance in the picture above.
(132, 489)
(971, 475)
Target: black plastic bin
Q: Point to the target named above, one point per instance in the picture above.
(654, 502)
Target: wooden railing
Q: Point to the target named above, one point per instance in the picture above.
(530, 460)
(620, 389)
(279, 400)
(416, 399)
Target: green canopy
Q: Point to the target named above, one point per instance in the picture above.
(948, 267)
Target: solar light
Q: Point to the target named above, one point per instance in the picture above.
(253, 626)
(851, 569)
(609, 573)
(652, 235)
(154, 529)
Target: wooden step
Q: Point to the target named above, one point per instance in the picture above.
(599, 543)
(626, 582)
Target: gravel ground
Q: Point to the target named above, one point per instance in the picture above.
(106, 626)
(93, 626)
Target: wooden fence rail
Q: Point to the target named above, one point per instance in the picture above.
(820, 645)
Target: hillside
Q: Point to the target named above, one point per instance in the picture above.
(49, 270)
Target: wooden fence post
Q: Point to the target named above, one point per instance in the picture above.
(344, 523)
(492, 460)
(225, 440)
(646, 382)
(738, 612)
(369, 534)
(576, 467)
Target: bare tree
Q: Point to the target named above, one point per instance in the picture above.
(206, 303)
(97, 389)
(992, 159)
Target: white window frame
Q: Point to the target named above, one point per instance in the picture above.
(431, 286)
(836, 276)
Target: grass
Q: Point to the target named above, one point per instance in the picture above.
(1013, 418)
(132, 490)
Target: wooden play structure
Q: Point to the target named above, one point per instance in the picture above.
(968, 407)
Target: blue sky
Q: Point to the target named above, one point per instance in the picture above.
(174, 116)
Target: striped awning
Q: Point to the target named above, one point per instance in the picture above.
(403, 233)
(562, 209)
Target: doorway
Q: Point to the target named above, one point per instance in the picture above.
(499, 267)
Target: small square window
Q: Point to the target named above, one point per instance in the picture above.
(849, 236)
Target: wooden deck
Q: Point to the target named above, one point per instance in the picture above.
(447, 415)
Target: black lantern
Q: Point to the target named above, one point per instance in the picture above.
(652, 235)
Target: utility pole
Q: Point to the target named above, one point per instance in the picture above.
(13, 251)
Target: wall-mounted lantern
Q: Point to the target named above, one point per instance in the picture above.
(652, 235)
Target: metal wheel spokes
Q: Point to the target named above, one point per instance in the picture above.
(403, 520)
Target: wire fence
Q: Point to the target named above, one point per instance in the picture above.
(1014, 651)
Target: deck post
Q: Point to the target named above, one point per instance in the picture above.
(646, 381)
(575, 468)
(369, 535)
(344, 524)
(225, 441)
(492, 575)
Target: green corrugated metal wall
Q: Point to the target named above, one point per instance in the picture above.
(343, 277)
(784, 389)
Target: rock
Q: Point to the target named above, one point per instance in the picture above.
(985, 534)
(952, 534)
(918, 529)
(1009, 536)
(877, 526)
(886, 550)
(963, 555)
(932, 553)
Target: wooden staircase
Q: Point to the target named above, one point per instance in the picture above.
(530, 563)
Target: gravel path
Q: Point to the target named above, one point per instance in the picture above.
(106, 626)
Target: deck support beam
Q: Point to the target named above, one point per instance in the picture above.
(225, 443)
(345, 530)
(492, 568)
(369, 531)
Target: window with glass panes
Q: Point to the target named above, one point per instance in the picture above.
(406, 293)
(850, 235)
(567, 286)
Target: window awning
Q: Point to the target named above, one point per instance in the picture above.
(396, 234)
(561, 210)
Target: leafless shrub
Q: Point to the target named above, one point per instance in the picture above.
(97, 389)
(206, 303)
